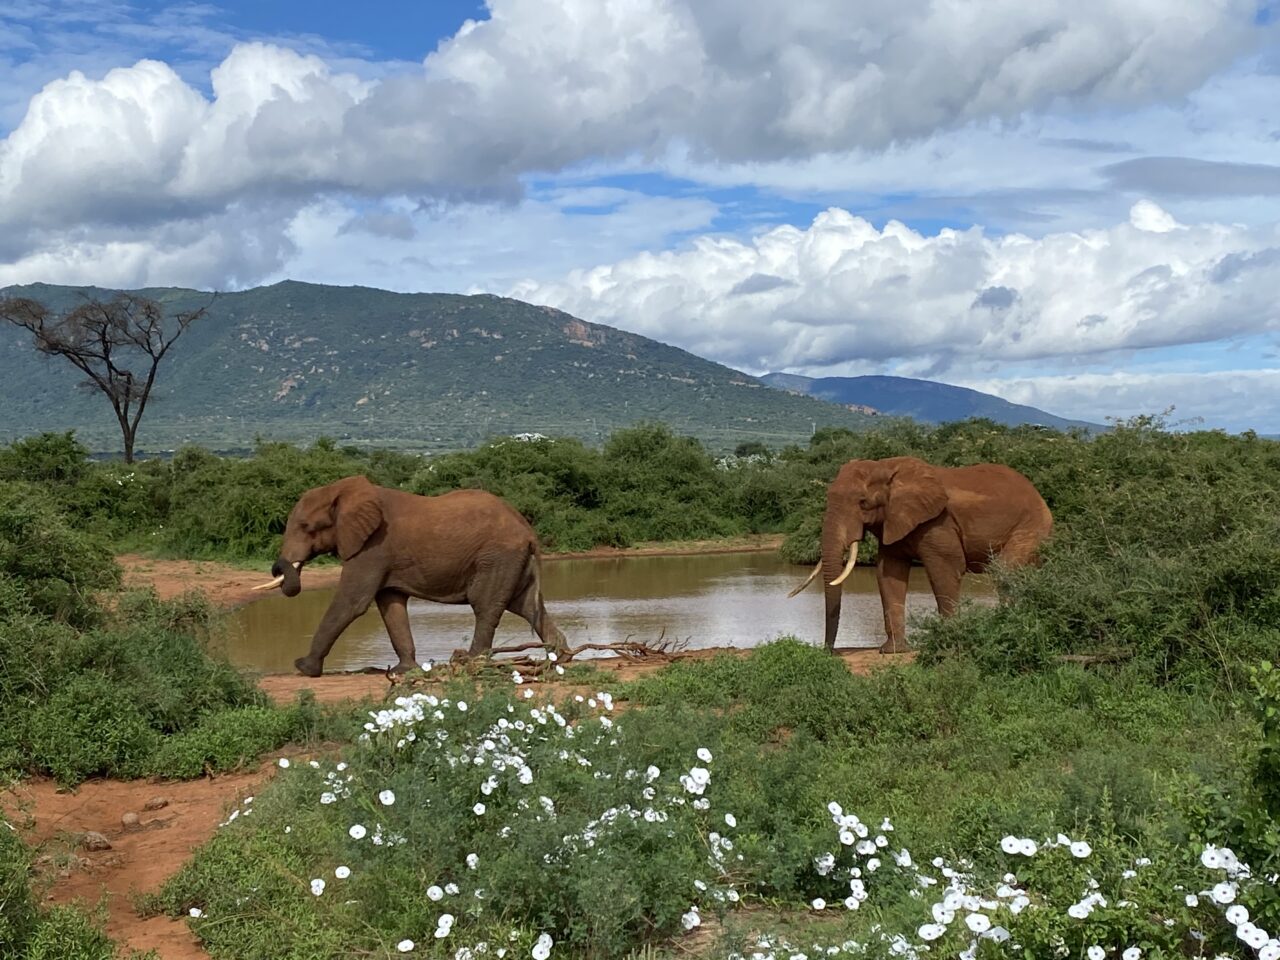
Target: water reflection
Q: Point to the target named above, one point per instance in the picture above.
(736, 599)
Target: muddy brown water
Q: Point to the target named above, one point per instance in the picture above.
(714, 600)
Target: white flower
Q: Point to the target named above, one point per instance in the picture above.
(515, 677)
(1271, 951)
(317, 887)
(473, 861)
(327, 798)
(931, 931)
(1212, 858)
(542, 949)
(704, 754)
(357, 832)
(478, 809)
(691, 919)
(404, 946)
(1191, 900)
(941, 914)
(434, 893)
(835, 809)
(342, 872)
(730, 820)
(1010, 844)
(977, 922)
(818, 903)
(652, 774)
(847, 838)
(195, 912)
(1252, 935)
(1224, 892)
(851, 903)
(1080, 849)
(1027, 847)
(1096, 952)
(462, 707)
(1079, 911)
(284, 763)
(1237, 914)
(1133, 953)
(451, 889)
(386, 798)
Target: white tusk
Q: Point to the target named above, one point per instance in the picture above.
(816, 570)
(848, 567)
(274, 583)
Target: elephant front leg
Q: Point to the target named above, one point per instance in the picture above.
(892, 573)
(346, 606)
(394, 607)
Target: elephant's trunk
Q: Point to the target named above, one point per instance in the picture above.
(837, 535)
(289, 576)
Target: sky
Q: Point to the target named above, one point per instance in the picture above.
(1069, 203)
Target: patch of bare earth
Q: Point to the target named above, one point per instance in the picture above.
(140, 857)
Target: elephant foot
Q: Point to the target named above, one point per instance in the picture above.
(896, 645)
(309, 667)
(404, 667)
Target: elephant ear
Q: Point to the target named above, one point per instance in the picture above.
(916, 495)
(359, 514)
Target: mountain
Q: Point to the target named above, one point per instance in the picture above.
(295, 360)
(921, 399)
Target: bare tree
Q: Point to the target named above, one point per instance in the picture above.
(107, 341)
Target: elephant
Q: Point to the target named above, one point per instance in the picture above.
(466, 546)
(950, 519)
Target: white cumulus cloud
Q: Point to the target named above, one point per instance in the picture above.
(843, 293)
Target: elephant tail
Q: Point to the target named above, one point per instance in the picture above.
(533, 577)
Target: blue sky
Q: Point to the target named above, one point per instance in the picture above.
(1075, 206)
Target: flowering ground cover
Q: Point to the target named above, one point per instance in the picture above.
(768, 806)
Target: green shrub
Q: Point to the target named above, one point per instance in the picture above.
(223, 741)
(18, 915)
(90, 726)
(59, 568)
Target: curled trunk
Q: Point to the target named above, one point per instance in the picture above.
(291, 585)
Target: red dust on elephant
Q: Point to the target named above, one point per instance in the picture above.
(467, 546)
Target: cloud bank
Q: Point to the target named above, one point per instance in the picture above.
(843, 292)
(541, 86)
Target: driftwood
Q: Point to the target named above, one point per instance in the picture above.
(660, 650)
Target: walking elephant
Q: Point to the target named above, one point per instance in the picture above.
(467, 546)
(951, 519)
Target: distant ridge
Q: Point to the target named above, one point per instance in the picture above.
(924, 400)
(294, 361)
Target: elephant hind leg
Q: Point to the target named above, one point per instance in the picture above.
(530, 605)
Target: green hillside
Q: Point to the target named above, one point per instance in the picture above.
(423, 371)
(924, 400)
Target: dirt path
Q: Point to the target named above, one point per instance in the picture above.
(141, 857)
(230, 586)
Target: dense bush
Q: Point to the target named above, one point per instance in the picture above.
(47, 566)
(120, 685)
